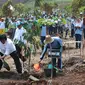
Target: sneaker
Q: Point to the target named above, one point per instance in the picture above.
(5, 65)
(60, 70)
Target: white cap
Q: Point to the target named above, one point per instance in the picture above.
(81, 13)
(56, 21)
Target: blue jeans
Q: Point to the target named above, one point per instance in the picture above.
(78, 37)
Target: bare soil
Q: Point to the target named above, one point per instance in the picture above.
(73, 71)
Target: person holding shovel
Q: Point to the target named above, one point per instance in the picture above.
(8, 48)
(53, 43)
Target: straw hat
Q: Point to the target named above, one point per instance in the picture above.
(48, 39)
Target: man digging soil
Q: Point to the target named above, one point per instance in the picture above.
(8, 48)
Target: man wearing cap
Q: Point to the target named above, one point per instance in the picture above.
(19, 33)
(53, 43)
(8, 48)
(19, 37)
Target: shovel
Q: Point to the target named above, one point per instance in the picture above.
(5, 65)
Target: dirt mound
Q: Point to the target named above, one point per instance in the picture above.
(80, 68)
(72, 61)
(13, 83)
(74, 65)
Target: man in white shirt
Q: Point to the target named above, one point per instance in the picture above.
(8, 48)
(19, 37)
(19, 33)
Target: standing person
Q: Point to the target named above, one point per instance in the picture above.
(43, 34)
(72, 26)
(19, 37)
(67, 26)
(8, 48)
(19, 33)
(84, 26)
(78, 32)
(53, 43)
(12, 28)
(6, 22)
(66, 30)
(2, 26)
(50, 28)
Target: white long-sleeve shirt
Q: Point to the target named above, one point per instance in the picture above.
(8, 47)
(78, 24)
(19, 34)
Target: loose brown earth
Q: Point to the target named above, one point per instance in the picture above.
(73, 72)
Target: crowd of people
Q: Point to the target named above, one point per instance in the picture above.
(60, 26)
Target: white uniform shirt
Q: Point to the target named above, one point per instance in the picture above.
(78, 24)
(2, 25)
(19, 34)
(8, 47)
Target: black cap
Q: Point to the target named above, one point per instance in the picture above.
(3, 37)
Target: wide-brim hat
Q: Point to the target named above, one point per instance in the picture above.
(48, 39)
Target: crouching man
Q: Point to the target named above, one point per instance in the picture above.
(8, 48)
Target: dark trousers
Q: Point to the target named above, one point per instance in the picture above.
(1, 63)
(72, 33)
(54, 65)
(72, 30)
(78, 37)
(19, 49)
(16, 61)
(42, 41)
(50, 31)
(59, 63)
(67, 30)
(84, 32)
